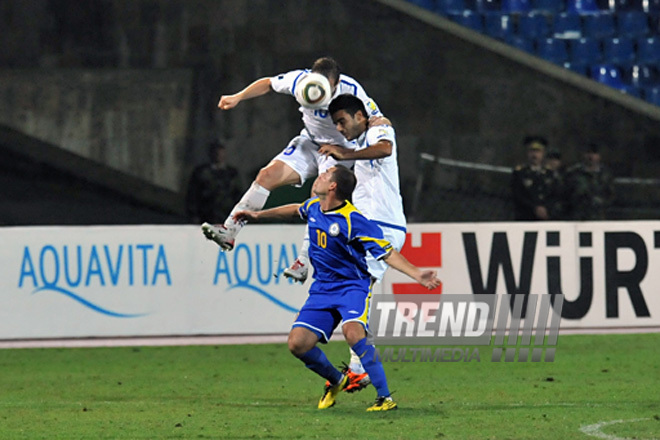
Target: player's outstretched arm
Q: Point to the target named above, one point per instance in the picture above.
(375, 151)
(426, 278)
(281, 212)
(257, 88)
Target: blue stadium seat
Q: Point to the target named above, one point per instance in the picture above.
(648, 50)
(620, 51)
(599, 25)
(642, 76)
(489, 5)
(567, 25)
(548, 6)
(632, 91)
(552, 49)
(582, 7)
(652, 7)
(521, 43)
(498, 25)
(470, 19)
(577, 67)
(516, 6)
(652, 95)
(533, 26)
(608, 74)
(585, 51)
(446, 7)
(632, 24)
(628, 5)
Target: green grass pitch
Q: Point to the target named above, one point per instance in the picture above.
(600, 386)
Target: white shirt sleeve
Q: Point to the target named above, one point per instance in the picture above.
(379, 133)
(285, 83)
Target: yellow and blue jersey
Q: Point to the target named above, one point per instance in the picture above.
(339, 241)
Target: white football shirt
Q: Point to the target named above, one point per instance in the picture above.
(318, 123)
(377, 194)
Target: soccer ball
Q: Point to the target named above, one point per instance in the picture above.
(313, 91)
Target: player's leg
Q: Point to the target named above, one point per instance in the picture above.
(356, 336)
(313, 324)
(272, 176)
(355, 327)
(397, 237)
(299, 270)
(290, 167)
(302, 344)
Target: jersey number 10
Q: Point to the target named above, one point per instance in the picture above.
(321, 238)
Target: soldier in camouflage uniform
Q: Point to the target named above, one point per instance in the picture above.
(533, 186)
(590, 187)
(213, 188)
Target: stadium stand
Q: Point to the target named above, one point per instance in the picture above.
(585, 51)
(553, 50)
(533, 26)
(613, 42)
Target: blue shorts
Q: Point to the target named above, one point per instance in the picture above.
(329, 303)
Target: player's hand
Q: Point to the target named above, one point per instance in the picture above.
(334, 151)
(429, 279)
(229, 101)
(379, 120)
(245, 216)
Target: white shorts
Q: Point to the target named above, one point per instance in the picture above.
(302, 155)
(397, 238)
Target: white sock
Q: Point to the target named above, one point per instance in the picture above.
(254, 199)
(303, 256)
(355, 365)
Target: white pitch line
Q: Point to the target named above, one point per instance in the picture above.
(155, 341)
(595, 429)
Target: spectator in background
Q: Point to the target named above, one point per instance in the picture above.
(554, 163)
(533, 185)
(589, 186)
(213, 188)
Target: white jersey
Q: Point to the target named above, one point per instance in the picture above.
(377, 194)
(318, 123)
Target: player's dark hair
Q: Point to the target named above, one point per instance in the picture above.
(213, 148)
(345, 180)
(351, 104)
(327, 67)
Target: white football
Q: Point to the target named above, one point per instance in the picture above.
(313, 91)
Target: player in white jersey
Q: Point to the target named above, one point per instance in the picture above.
(377, 194)
(300, 160)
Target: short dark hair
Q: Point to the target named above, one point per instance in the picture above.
(345, 180)
(213, 148)
(327, 67)
(351, 104)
